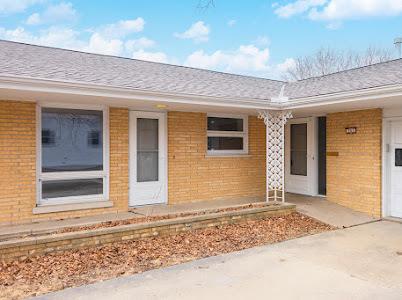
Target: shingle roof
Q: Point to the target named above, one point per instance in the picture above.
(380, 74)
(19, 59)
(58, 64)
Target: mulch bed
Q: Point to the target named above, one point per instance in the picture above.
(56, 271)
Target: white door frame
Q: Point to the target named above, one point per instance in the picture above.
(386, 170)
(311, 180)
(163, 155)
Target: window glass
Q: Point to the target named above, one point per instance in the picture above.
(94, 138)
(225, 143)
(398, 157)
(76, 139)
(298, 149)
(147, 150)
(48, 137)
(225, 124)
(68, 188)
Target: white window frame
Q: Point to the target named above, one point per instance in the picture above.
(217, 133)
(41, 177)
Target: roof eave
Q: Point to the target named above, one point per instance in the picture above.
(78, 88)
(345, 97)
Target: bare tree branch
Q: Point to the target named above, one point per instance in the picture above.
(326, 60)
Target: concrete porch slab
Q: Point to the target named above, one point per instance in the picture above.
(42, 227)
(164, 209)
(328, 212)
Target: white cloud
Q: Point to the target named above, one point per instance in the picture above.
(55, 37)
(198, 32)
(110, 39)
(231, 23)
(53, 14)
(336, 11)
(98, 44)
(121, 28)
(150, 56)
(297, 7)
(289, 63)
(246, 59)
(15, 6)
(141, 43)
(356, 9)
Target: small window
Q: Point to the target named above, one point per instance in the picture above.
(48, 137)
(227, 135)
(94, 138)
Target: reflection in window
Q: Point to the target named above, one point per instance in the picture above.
(147, 150)
(94, 138)
(225, 124)
(48, 137)
(75, 133)
(225, 143)
(298, 149)
(226, 135)
(69, 188)
(398, 157)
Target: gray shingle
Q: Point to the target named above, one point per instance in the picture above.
(381, 74)
(32, 61)
(65, 65)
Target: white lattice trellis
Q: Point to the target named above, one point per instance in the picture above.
(275, 150)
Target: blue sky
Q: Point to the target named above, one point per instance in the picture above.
(252, 37)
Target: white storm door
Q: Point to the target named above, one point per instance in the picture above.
(148, 157)
(300, 152)
(395, 205)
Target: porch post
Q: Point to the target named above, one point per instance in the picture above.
(275, 153)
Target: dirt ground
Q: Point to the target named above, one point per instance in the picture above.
(55, 271)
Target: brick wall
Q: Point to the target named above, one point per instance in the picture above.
(119, 156)
(18, 164)
(195, 177)
(354, 177)
(17, 160)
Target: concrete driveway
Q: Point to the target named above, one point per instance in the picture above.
(361, 262)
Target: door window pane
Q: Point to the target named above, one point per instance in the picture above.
(147, 150)
(68, 188)
(225, 143)
(71, 135)
(298, 149)
(225, 124)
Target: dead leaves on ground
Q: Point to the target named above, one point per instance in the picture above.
(55, 271)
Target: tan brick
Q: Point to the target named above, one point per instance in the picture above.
(354, 177)
(195, 177)
(18, 164)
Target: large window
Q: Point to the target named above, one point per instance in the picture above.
(227, 135)
(72, 155)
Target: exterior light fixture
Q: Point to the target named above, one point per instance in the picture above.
(161, 106)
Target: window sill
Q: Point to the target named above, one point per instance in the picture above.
(45, 209)
(226, 155)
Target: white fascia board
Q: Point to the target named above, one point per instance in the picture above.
(344, 97)
(77, 88)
